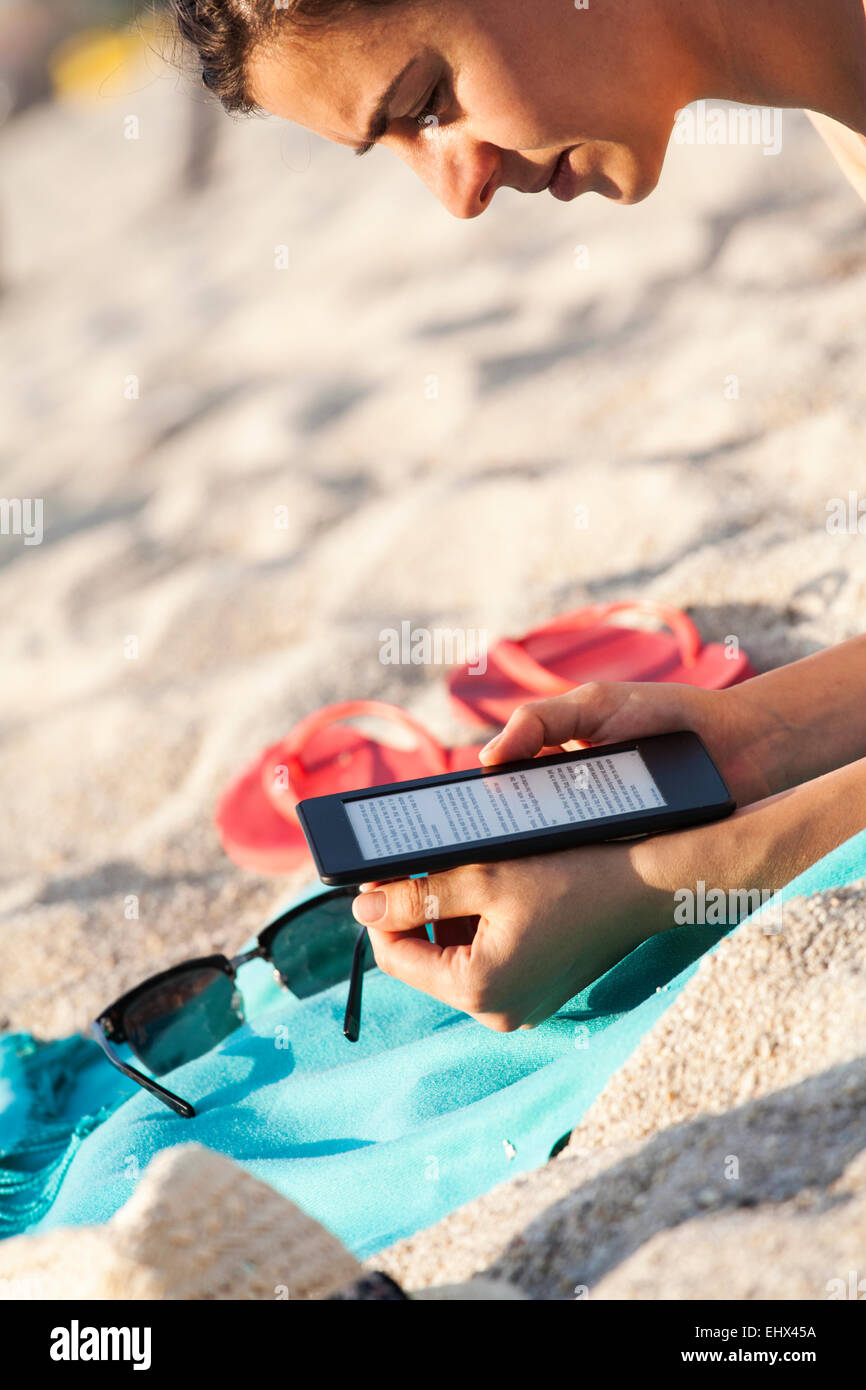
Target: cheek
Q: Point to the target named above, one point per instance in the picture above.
(521, 91)
(514, 90)
(515, 113)
(505, 112)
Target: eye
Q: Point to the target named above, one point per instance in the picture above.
(434, 106)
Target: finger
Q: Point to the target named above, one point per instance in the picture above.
(598, 712)
(464, 977)
(454, 931)
(440, 971)
(411, 902)
(582, 716)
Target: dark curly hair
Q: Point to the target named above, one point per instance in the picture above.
(223, 33)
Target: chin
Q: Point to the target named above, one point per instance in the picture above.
(629, 179)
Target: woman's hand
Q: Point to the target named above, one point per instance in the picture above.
(514, 939)
(737, 730)
(766, 735)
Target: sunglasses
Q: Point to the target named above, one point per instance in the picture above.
(178, 1015)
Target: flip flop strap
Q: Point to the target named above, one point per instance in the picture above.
(293, 745)
(513, 658)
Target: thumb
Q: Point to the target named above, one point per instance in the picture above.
(598, 712)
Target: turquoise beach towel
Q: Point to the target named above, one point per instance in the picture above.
(376, 1139)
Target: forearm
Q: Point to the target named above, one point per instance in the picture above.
(762, 847)
(807, 718)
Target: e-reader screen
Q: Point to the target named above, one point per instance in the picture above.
(483, 808)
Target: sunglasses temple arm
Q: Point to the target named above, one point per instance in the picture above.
(352, 1020)
(180, 1107)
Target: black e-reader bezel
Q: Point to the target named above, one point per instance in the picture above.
(688, 779)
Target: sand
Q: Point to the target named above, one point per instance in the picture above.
(430, 402)
(197, 1226)
(725, 1159)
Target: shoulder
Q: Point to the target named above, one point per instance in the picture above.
(849, 149)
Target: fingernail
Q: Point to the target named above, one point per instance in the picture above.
(369, 908)
(489, 747)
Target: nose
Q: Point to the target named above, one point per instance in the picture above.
(464, 174)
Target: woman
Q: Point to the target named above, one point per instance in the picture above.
(579, 98)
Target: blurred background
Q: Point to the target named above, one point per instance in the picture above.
(275, 400)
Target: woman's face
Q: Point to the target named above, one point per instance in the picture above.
(493, 92)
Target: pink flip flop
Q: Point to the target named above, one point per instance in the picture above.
(255, 815)
(586, 646)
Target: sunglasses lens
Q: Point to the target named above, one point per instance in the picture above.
(314, 950)
(182, 1017)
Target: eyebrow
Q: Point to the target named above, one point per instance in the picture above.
(380, 119)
